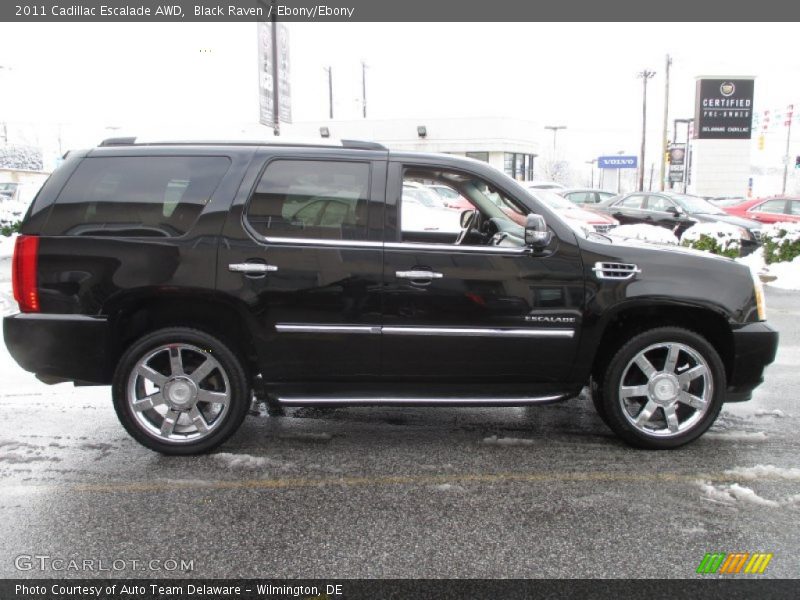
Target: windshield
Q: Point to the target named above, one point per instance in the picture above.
(693, 204)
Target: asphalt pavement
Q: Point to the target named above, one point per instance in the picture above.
(398, 493)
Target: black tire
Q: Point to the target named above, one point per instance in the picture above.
(613, 410)
(227, 374)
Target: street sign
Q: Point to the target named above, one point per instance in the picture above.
(617, 162)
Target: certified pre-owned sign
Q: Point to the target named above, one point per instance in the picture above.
(724, 109)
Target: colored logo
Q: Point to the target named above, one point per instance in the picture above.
(735, 563)
(727, 89)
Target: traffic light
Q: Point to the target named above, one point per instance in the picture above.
(797, 162)
(761, 142)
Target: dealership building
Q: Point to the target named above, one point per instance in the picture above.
(510, 145)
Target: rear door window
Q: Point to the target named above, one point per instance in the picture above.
(311, 199)
(136, 195)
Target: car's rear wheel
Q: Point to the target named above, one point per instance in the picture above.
(180, 391)
(664, 388)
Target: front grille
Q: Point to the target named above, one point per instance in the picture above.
(604, 228)
(608, 270)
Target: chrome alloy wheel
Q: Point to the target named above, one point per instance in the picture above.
(666, 389)
(178, 393)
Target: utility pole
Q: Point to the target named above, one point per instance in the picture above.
(330, 91)
(364, 88)
(666, 120)
(591, 163)
(789, 114)
(619, 172)
(644, 76)
(554, 129)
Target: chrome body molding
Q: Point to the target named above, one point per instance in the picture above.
(425, 331)
(357, 329)
(413, 401)
(292, 241)
(479, 332)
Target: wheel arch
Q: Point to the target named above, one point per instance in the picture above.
(215, 314)
(635, 317)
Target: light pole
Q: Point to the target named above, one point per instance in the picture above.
(554, 129)
(789, 115)
(591, 163)
(644, 76)
(666, 120)
(329, 70)
(364, 88)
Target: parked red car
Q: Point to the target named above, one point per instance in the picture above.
(767, 210)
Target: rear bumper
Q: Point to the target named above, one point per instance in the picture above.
(71, 347)
(754, 347)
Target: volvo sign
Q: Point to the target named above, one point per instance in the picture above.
(617, 162)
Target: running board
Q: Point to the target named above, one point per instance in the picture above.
(289, 400)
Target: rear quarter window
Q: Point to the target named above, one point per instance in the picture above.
(136, 196)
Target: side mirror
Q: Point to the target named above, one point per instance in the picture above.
(466, 217)
(674, 210)
(536, 233)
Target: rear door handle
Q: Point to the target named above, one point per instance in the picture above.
(418, 275)
(252, 268)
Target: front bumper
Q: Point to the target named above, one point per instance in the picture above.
(59, 347)
(754, 347)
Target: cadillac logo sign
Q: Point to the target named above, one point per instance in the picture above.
(724, 109)
(727, 89)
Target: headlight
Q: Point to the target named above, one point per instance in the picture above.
(761, 305)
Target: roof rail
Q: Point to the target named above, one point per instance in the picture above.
(361, 145)
(350, 144)
(118, 141)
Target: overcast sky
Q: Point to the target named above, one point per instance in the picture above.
(152, 78)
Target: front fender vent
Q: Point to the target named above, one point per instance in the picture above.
(612, 270)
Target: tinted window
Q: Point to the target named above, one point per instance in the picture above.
(311, 199)
(772, 206)
(631, 202)
(658, 203)
(136, 196)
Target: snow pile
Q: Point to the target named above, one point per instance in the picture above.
(248, 461)
(787, 275)
(765, 472)
(727, 238)
(495, 441)
(645, 233)
(770, 413)
(782, 233)
(7, 246)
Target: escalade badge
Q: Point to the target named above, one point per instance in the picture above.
(548, 319)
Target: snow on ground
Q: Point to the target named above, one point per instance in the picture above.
(737, 436)
(646, 233)
(248, 461)
(765, 472)
(770, 413)
(495, 441)
(730, 494)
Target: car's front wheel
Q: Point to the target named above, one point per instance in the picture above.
(180, 391)
(663, 388)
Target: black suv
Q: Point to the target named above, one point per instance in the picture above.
(197, 278)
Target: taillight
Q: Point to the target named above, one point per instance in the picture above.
(23, 273)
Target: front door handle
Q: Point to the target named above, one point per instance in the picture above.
(252, 268)
(418, 275)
